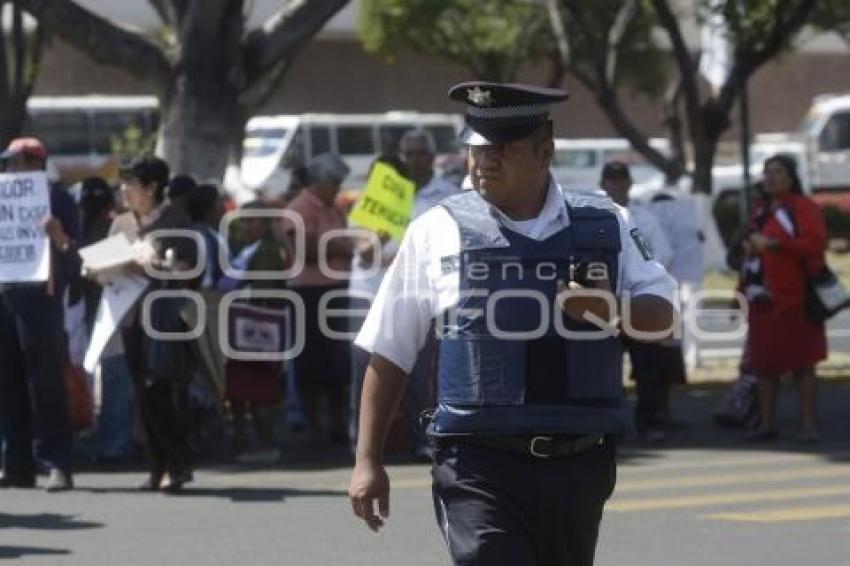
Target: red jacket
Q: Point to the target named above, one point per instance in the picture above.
(800, 250)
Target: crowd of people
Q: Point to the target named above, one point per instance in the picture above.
(163, 393)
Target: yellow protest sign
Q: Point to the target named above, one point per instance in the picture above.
(386, 203)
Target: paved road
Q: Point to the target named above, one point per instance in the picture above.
(707, 500)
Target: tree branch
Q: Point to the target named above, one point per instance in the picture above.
(4, 62)
(103, 40)
(610, 104)
(165, 10)
(684, 61)
(625, 16)
(20, 48)
(286, 33)
(748, 58)
(562, 42)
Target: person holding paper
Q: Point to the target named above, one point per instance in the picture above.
(160, 368)
(33, 404)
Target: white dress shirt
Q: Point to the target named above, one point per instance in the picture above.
(417, 288)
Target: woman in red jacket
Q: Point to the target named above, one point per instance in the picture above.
(788, 243)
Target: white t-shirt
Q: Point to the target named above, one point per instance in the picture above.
(418, 287)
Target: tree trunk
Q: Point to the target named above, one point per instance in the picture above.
(12, 118)
(198, 122)
(704, 151)
(200, 106)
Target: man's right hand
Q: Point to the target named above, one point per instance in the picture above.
(369, 485)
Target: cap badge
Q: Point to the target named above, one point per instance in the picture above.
(480, 97)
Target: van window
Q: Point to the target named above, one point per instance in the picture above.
(115, 124)
(355, 140)
(445, 138)
(575, 158)
(65, 132)
(836, 133)
(320, 140)
(262, 142)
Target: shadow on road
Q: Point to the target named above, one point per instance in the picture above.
(9, 552)
(694, 408)
(234, 494)
(46, 522)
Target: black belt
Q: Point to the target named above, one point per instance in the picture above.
(541, 446)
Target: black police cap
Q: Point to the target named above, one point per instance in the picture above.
(503, 112)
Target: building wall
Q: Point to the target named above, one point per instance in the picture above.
(335, 75)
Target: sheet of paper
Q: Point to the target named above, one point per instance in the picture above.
(108, 253)
(24, 247)
(118, 298)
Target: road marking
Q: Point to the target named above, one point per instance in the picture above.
(650, 466)
(785, 515)
(710, 500)
(732, 479)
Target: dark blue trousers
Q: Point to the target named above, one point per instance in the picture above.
(499, 508)
(33, 406)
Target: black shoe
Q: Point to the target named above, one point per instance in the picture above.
(59, 481)
(152, 483)
(175, 481)
(9, 480)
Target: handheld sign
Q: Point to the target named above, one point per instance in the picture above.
(386, 204)
(24, 246)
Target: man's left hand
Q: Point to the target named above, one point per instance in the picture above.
(582, 306)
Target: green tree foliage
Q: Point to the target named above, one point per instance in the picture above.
(491, 39)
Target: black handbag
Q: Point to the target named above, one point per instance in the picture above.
(167, 359)
(825, 295)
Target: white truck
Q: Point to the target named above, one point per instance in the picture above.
(821, 147)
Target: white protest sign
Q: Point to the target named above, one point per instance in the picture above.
(24, 247)
(118, 298)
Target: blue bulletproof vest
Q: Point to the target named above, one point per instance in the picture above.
(510, 359)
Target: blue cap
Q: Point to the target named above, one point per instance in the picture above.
(503, 112)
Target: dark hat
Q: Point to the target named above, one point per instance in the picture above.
(616, 170)
(95, 189)
(180, 186)
(147, 169)
(502, 113)
(25, 146)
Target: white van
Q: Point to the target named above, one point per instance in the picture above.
(577, 164)
(275, 144)
(78, 131)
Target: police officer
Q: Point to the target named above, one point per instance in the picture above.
(516, 276)
(656, 366)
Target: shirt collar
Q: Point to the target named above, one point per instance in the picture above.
(554, 208)
(152, 216)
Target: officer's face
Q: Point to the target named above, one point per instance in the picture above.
(504, 173)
